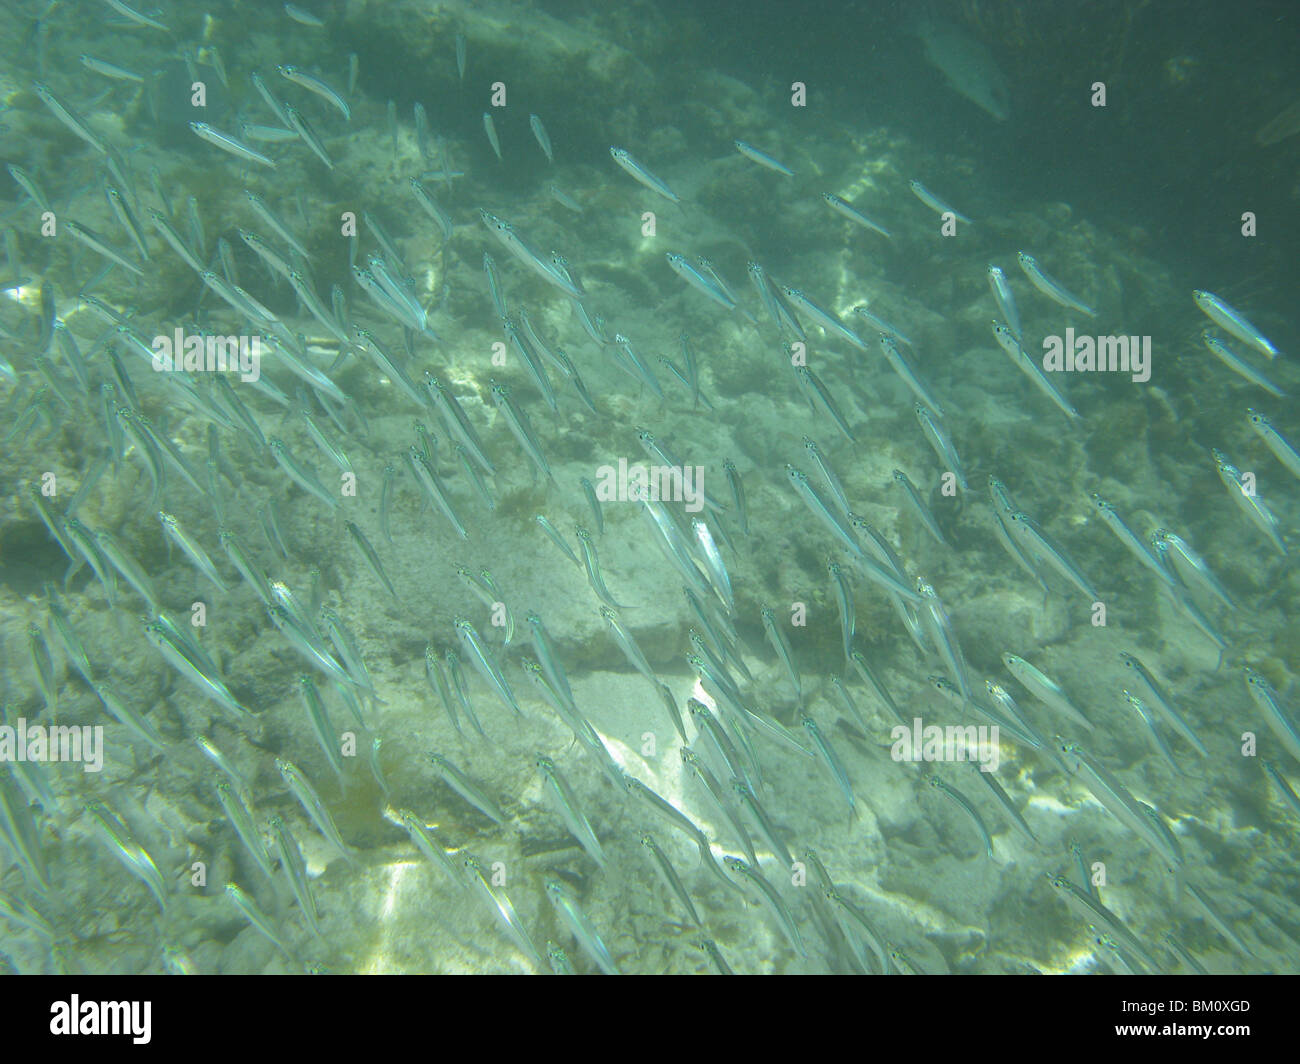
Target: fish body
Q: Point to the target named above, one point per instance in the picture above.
(1054, 290)
(762, 158)
(1233, 321)
(641, 174)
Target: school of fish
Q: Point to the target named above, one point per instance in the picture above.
(566, 580)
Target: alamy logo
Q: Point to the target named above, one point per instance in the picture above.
(200, 353)
(633, 483)
(62, 742)
(956, 742)
(1098, 354)
(102, 1017)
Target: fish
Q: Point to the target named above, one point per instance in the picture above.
(543, 139)
(557, 538)
(773, 901)
(433, 486)
(486, 664)
(311, 802)
(782, 647)
(847, 210)
(469, 789)
(312, 83)
(1005, 300)
(564, 199)
(642, 175)
(765, 826)
(831, 760)
(258, 918)
(844, 601)
(737, 494)
(1283, 449)
(1289, 796)
(242, 821)
(1044, 688)
(670, 876)
(308, 135)
(566, 804)
(934, 202)
(965, 803)
(192, 549)
(699, 280)
(431, 847)
(1131, 540)
(43, 667)
(969, 68)
(500, 903)
(820, 510)
(1233, 322)
(695, 765)
(320, 724)
(1036, 544)
(822, 317)
(1094, 911)
(710, 950)
(132, 856)
(1248, 502)
(233, 145)
(1238, 365)
(1148, 686)
(299, 474)
(295, 870)
(591, 561)
(813, 386)
(1281, 718)
(907, 372)
(1008, 806)
(939, 440)
(919, 506)
(879, 323)
(100, 245)
(69, 118)
(129, 717)
(490, 128)
(1053, 290)
(935, 620)
(762, 158)
(372, 558)
(273, 220)
(1118, 800)
(566, 905)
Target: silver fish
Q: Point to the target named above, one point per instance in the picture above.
(1054, 290)
(571, 913)
(850, 212)
(1283, 449)
(1238, 365)
(644, 176)
(1232, 321)
(539, 131)
(230, 144)
(500, 903)
(314, 84)
(490, 128)
(566, 803)
(1249, 503)
(934, 202)
(940, 441)
(469, 789)
(1281, 718)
